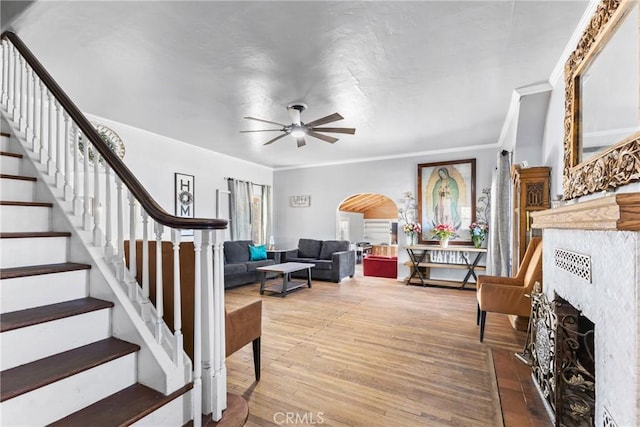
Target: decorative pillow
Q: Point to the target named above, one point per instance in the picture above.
(257, 253)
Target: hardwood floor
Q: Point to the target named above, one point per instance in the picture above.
(371, 351)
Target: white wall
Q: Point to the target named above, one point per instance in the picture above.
(328, 186)
(356, 225)
(154, 159)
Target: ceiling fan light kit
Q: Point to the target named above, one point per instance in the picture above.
(298, 129)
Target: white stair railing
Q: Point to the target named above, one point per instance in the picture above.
(106, 197)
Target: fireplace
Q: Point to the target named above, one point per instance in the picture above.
(562, 360)
(591, 291)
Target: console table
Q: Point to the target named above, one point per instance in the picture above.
(453, 257)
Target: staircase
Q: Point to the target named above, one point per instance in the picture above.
(60, 363)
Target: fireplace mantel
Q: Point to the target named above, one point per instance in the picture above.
(614, 212)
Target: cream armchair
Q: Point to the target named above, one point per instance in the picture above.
(510, 295)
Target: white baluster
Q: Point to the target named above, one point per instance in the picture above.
(97, 203)
(86, 213)
(133, 294)
(197, 332)
(43, 138)
(60, 147)
(145, 303)
(51, 166)
(177, 310)
(77, 202)
(35, 142)
(220, 376)
(28, 132)
(16, 85)
(67, 143)
(108, 245)
(20, 118)
(12, 82)
(119, 259)
(208, 325)
(159, 229)
(5, 72)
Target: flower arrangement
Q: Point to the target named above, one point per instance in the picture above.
(412, 227)
(478, 231)
(444, 232)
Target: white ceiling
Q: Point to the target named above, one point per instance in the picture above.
(411, 77)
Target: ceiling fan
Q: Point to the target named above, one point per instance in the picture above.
(298, 129)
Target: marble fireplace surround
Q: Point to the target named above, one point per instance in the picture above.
(607, 231)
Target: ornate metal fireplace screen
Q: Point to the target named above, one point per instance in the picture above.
(563, 362)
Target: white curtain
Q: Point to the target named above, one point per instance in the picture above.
(267, 214)
(499, 256)
(240, 209)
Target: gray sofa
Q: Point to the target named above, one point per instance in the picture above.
(238, 268)
(333, 259)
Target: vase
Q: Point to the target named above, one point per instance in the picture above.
(477, 241)
(409, 239)
(444, 243)
(412, 239)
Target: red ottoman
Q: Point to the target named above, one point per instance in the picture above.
(380, 266)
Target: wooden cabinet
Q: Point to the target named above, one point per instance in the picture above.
(530, 194)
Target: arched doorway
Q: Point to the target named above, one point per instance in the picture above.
(369, 220)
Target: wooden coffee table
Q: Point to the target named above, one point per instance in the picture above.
(287, 284)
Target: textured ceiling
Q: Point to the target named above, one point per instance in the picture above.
(409, 76)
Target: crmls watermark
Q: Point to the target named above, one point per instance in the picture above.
(311, 418)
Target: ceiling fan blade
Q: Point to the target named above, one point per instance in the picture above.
(275, 139)
(322, 137)
(336, 130)
(327, 119)
(301, 142)
(261, 130)
(265, 121)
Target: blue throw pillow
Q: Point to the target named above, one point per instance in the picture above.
(257, 253)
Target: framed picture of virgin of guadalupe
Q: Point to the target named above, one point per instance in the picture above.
(447, 195)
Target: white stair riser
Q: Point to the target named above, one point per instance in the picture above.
(24, 218)
(175, 413)
(5, 144)
(10, 165)
(17, 190)
(22, 252)
(21, 293)
(70, 394)
(25, 345)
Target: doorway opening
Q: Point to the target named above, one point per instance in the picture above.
(370, 222)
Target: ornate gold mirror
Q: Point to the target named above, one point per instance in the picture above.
(602, 108)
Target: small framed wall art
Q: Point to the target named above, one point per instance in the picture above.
(300, 201)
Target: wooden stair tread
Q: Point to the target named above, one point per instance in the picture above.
(20, 235)
(36, 270)
(9, 154)
(22, 379)
(37, 204)
(8, 135)
(18, 177)
(122, 408)
(47, 313)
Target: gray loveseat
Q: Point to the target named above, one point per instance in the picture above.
(333, 259)
(238, 268)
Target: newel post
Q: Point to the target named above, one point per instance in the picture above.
(214, 371)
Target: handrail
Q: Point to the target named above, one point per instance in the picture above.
(140, 193)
